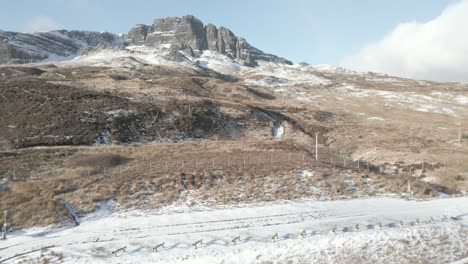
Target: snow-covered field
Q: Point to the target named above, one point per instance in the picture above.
(425, 237)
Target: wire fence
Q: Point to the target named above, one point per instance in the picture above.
(259, 162)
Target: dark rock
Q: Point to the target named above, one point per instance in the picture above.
(190, 35)
(137, 35)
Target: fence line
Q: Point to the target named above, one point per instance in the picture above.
(259, 162)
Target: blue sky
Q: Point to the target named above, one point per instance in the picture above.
(322, 31)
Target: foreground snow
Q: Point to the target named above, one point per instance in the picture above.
(426, 236)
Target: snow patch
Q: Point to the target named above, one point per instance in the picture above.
(278, 131)
(103, 138)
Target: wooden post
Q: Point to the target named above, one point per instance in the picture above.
(4, 224)
(316, 146)
(166, 165)
(459, 135)
(244, 161)
(358, 164)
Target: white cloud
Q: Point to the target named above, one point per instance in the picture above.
(435, 50)
(41, 24)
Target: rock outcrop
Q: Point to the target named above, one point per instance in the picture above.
(189, 34)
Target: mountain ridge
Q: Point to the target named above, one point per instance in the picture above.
(178, 34)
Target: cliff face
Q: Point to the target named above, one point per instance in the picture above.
(189, 34)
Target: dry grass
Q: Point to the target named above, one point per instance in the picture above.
(154, 176)
(96, 160)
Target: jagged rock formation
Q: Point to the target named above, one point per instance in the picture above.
(189, 34)
(33, 47)
(186, 34)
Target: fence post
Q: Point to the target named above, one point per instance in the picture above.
(138, 167)
(358, 166)
(316, 146)
(4, 224)
(459, 136)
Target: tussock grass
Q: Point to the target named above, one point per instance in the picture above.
(137, 177)
(97, 160)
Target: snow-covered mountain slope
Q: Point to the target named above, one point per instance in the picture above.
(186, 34)
(305, 83)
(375, 230)
(54, 45)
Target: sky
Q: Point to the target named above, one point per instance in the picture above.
(424, 39)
